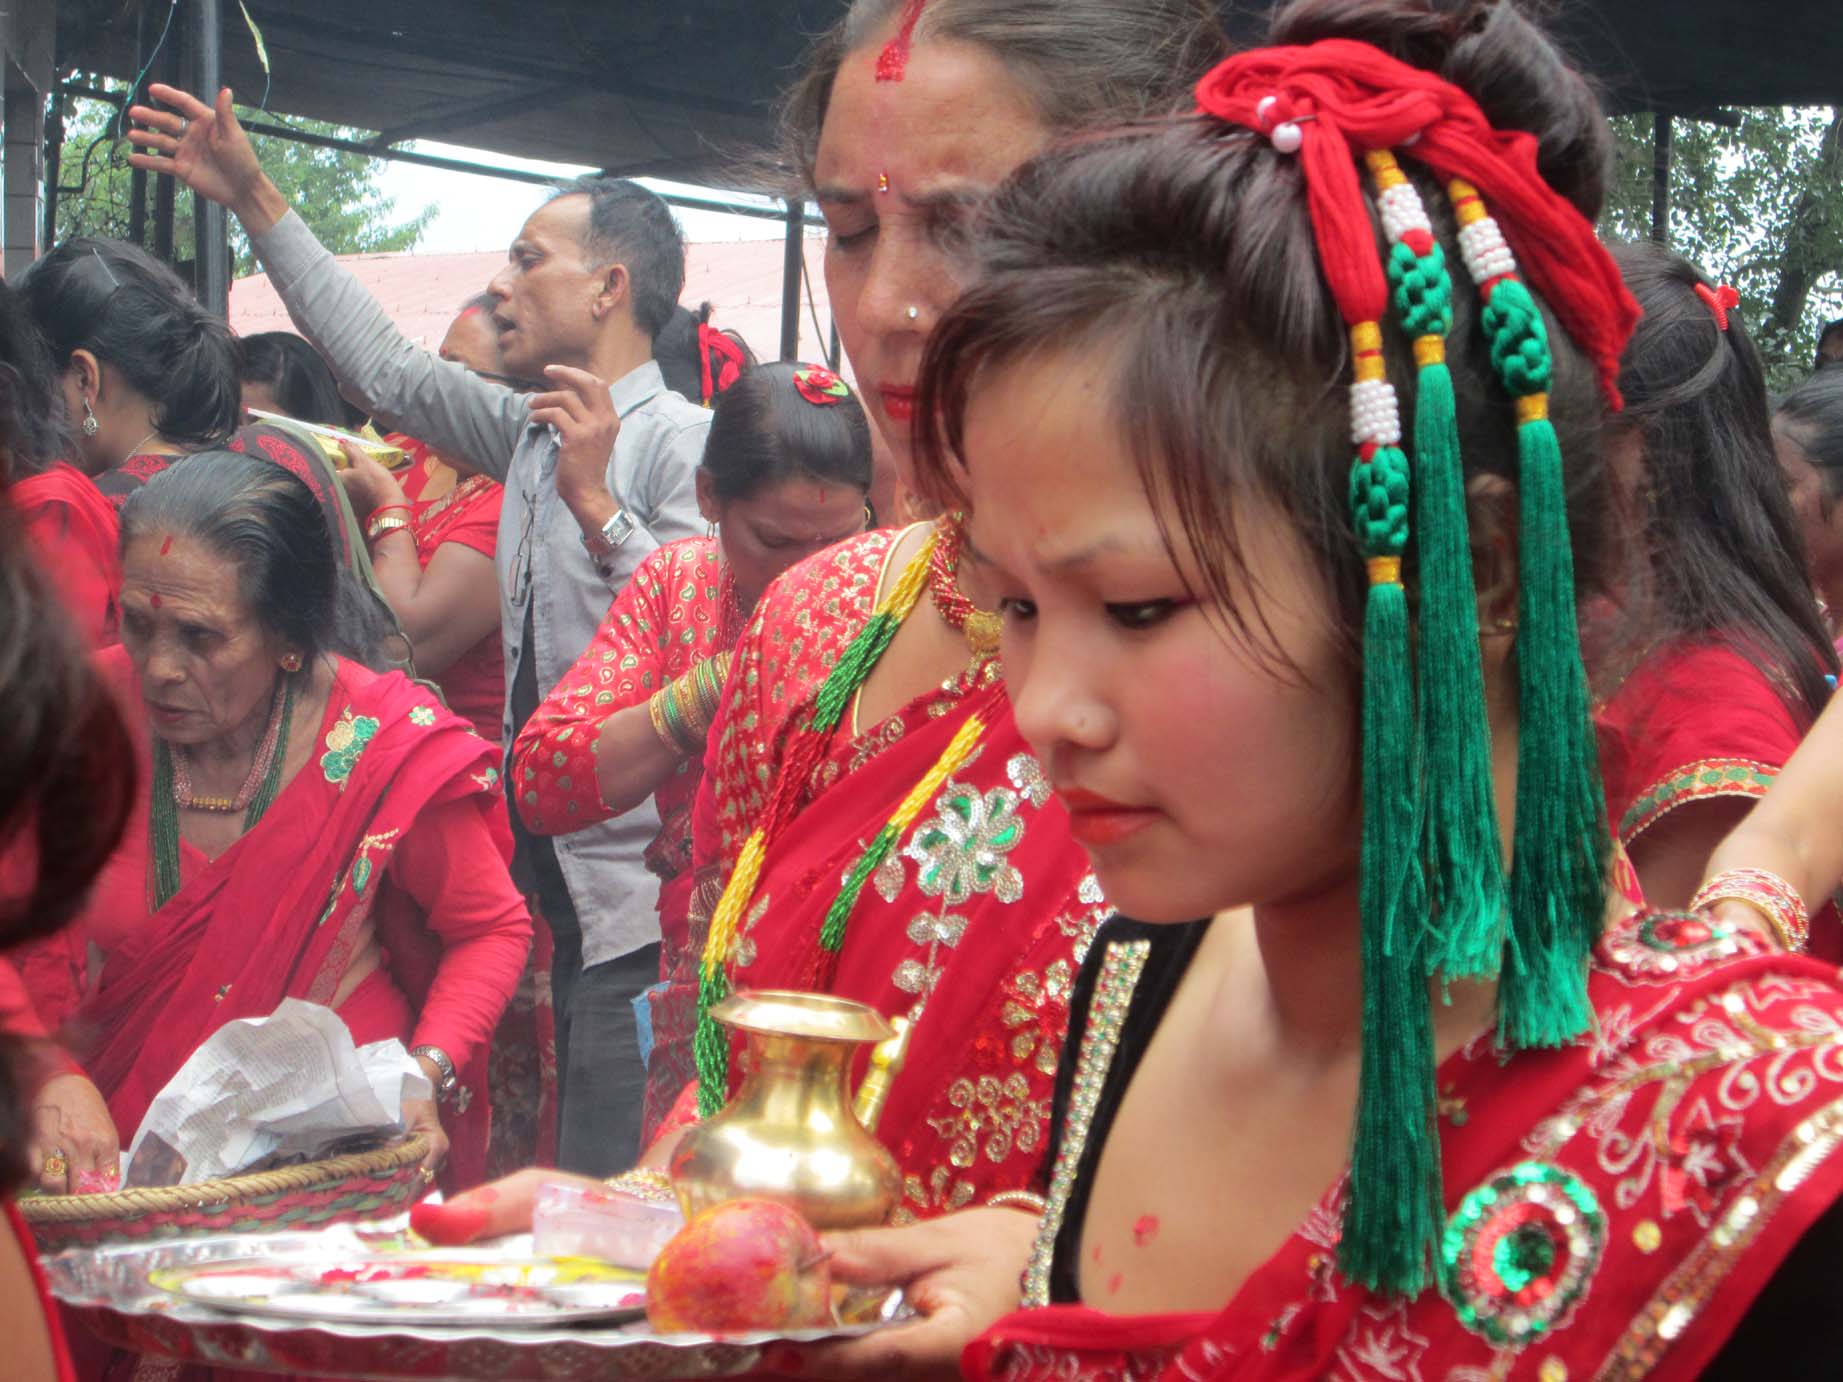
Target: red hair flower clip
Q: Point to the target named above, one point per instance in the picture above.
(819, 386)
(1720, 301)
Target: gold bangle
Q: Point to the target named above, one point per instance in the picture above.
(1018, 1199)
(655, 1187)
(377, 527)
(1768, 894)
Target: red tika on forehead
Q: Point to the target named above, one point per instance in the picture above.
(154, 599)
(893, 61)
(166, 545)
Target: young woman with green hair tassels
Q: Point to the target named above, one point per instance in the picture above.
(1434, 1094)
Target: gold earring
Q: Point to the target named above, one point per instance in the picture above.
(291, 662)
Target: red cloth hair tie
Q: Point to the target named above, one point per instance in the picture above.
(1342, 99)
(1720, 301)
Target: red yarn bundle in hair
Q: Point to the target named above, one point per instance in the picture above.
(1347, 98)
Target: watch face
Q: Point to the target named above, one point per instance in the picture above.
(619, 528)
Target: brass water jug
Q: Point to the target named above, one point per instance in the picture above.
(790, 1133)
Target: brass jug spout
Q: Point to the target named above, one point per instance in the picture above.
(886, 1061)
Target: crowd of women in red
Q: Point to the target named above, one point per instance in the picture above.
(1292, 773)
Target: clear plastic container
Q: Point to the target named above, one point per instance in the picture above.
(570, 1220)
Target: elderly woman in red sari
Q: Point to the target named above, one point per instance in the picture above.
(306, 828)
(785, 473)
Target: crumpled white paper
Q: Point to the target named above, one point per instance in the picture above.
(288, 1083)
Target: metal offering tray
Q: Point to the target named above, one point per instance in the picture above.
(149, 1298)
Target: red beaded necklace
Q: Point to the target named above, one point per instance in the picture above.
(980, 627)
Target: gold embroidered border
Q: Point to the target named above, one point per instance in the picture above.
(1121, 967)
(1688, 1289)
(1710, 777)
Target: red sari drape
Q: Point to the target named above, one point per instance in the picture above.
(1703, 1116)
(974, 925)
(281, 913)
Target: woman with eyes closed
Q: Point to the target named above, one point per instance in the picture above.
(872, 825)
(972, 915)
(785, 473)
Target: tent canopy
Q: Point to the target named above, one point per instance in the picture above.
(687, 90)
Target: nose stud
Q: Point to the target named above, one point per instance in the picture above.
(912, 313)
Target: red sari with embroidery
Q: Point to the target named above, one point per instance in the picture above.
(282, 911)
(1614, 1208)
(974, 925)
(77, 540)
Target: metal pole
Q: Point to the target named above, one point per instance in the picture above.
(1660, 180)
(790, 280)
(164, 187)
(54, 148)
(210, 230)
(137, 178)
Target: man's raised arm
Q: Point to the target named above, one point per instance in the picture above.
(474, 423)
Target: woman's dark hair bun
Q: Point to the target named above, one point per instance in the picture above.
(1496, 54)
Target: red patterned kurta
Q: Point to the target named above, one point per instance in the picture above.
(677, 611)
(1614, 1207)
(975, 923)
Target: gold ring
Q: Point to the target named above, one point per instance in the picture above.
(56, 1165)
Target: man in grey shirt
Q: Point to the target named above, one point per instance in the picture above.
(597, 475)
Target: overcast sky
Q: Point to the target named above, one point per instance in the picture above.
(484, 213)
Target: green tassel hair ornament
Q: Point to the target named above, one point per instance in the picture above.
(1559, 852)
(1460, 841)
(1393, 1213)
(1436, 901)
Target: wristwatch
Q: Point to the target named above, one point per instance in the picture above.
(613, 533)
(446, 1085)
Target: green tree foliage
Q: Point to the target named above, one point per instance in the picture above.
(338, 194)
(1757, 201)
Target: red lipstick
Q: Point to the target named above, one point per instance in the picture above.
(898, 403)
(1098, 821)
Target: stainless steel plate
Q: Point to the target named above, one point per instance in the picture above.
(417, 1287)
(110, 1290)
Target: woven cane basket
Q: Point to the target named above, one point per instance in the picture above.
(361, 1186)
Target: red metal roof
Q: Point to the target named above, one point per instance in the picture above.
(422, 292)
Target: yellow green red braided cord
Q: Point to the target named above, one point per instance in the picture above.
(710, 1047)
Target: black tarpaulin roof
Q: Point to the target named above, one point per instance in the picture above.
(680, 89)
